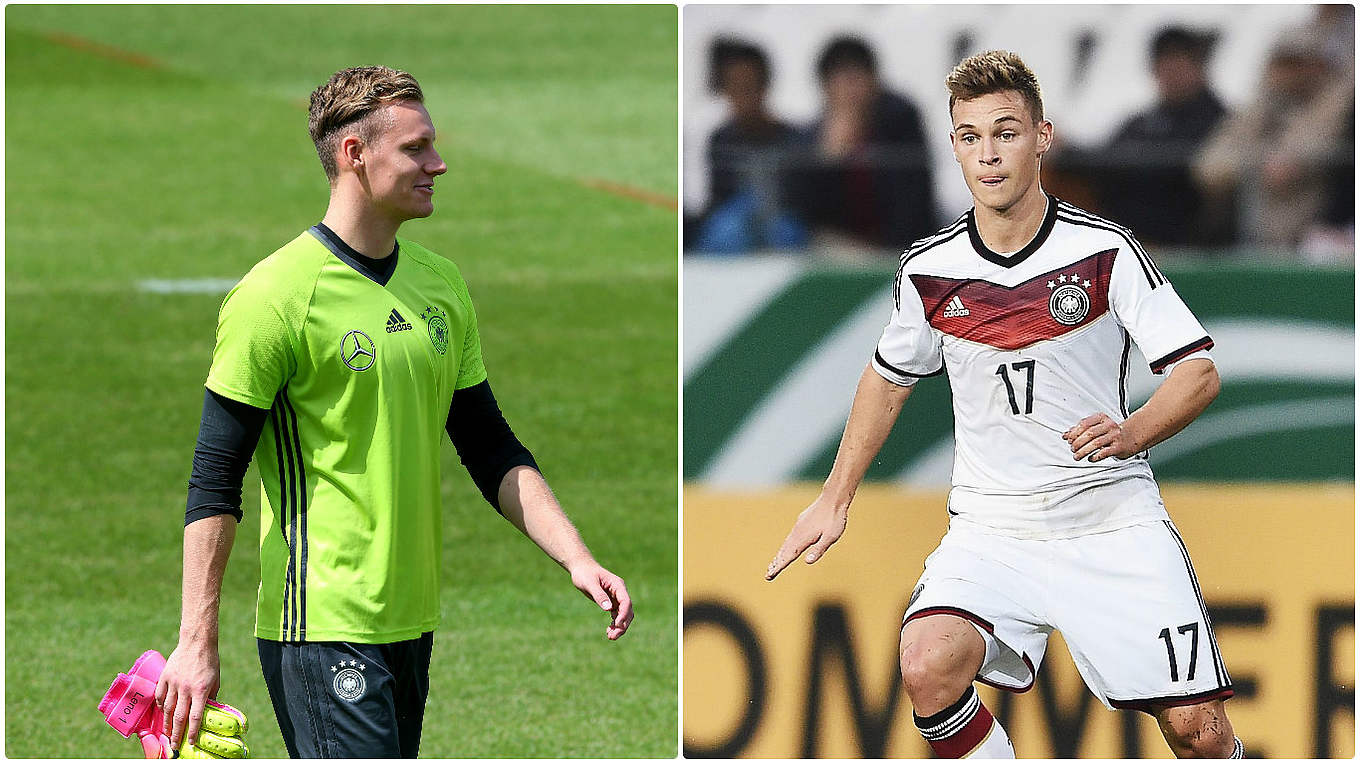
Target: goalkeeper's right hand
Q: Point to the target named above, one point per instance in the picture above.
(130, 707)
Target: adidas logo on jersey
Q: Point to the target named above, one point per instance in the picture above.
(396, 324)
(956, 308)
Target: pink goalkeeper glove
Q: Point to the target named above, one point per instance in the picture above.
(130, 707)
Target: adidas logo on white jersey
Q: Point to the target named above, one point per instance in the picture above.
(955, 308)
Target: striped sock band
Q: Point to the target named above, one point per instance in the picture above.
(1237, 749)
(958, 729)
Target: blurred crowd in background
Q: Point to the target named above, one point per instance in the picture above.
(1187, 173)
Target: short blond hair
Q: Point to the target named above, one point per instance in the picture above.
(347, 103)
(991, 72)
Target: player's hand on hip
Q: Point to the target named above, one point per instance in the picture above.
(816, 530)
(609, 591)
(1098, 437)
(191, 678)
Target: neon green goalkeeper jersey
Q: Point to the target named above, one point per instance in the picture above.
(357, 371)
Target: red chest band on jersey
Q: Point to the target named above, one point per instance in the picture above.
(1012, 317)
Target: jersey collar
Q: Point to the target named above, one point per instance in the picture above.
(1050, 216)
(377, 270)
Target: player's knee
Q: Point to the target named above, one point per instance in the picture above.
(1198, 731)
(922, 666)
(937, 668)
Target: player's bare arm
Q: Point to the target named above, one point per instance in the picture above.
(872, 414)
(529, 504)
(192, 674)
(1187, 392)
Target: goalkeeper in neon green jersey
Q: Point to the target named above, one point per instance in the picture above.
(341, 362)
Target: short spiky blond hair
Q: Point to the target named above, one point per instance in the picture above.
(991, 72)
(345, 103)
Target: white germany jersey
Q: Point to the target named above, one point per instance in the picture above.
(1034, 342)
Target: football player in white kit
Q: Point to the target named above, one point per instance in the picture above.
(1031, 304)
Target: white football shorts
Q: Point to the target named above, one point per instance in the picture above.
(1126, 602)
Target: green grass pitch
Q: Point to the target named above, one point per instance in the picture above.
(170, 143)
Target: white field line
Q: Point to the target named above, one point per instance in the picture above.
(532, 276)
(214, 285)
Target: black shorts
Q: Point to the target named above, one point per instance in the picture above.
(336, 699)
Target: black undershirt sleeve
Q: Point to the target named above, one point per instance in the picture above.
(227, 435)
(486, 445)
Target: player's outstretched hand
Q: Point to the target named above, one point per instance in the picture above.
(817, 527)
(1099, 437)
(191, 677)
(607, 590)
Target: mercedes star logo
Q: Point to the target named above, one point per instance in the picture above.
(357, 351)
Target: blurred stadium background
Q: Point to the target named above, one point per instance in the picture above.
(153, 155)
(782, 305)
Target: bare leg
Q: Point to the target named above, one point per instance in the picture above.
(940, 655)
(1199, 730)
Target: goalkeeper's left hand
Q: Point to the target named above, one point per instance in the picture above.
(130, 708)
(221, 735)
